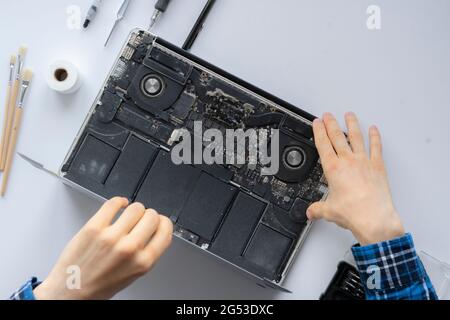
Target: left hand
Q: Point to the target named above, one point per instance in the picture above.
(109, 256)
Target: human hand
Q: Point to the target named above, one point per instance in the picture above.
(359, 197)
(110, 256)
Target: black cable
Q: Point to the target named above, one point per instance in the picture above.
(198, 26)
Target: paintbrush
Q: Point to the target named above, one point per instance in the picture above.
(12, 105)
(12, 67)
(25, 83)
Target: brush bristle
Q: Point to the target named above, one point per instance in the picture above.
(23, 51)
(13, 59)
(27, 75)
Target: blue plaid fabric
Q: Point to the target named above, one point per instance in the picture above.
(392, 270)
(25, 292)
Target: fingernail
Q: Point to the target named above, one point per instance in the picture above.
(317, 121)
(308, 214)
(350, 114)
(327, 115)
(152, 212)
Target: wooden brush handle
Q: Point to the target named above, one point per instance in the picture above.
(11, 148)
(7, 123)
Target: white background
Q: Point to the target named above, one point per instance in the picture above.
(317, 54)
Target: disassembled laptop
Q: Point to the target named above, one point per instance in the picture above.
(254, 222)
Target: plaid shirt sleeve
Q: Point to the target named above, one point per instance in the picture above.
(392, 270)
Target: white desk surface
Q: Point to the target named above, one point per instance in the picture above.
(315, 54)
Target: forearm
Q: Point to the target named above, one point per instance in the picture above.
(392, 270)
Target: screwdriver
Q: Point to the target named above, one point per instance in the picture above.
(120, 15)
(160, 7)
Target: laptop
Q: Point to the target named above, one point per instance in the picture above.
(234, 167)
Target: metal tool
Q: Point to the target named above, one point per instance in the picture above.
(160, 8)
(120, 15)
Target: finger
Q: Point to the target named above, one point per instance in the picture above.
(354, 133)
(323, 143)
(316, 211)
(145, 228)
(336, 135)
(375, 144)
(129, 218)
(160, 240)
(108, 211)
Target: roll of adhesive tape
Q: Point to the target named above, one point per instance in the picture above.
(63, 77)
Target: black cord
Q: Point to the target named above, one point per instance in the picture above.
(198, 26)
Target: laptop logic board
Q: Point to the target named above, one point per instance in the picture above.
(155, 90)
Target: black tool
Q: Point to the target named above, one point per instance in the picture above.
(92, 12)
(198, 26)
(160, 8)
(345, 285)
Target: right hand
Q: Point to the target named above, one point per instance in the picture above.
(359, 197)
(110, 256)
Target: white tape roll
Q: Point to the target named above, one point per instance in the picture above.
(63, 77)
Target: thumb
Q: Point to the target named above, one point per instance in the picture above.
(316, 210)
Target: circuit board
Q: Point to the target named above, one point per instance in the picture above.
(231, 210)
